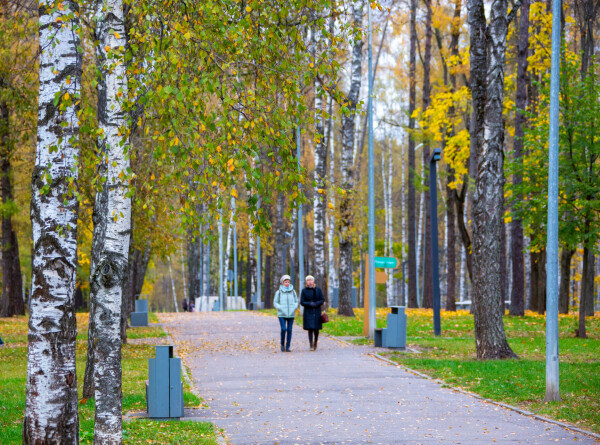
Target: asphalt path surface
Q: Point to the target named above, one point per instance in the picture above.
(339, 394)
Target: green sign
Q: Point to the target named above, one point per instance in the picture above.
(386, 262)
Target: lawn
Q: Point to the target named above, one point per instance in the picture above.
(451, 358)
(13, 369)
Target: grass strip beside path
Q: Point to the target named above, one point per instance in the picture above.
(13, 377)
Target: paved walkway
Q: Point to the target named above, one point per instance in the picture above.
(336, 395)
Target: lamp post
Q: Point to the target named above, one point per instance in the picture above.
(371, 283)
(552, 358)
(437, 330)
(235, 276)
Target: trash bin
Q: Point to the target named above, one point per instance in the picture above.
(140, 316)
(164, 389)
(395, 335)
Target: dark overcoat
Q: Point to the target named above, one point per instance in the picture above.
(312, 299)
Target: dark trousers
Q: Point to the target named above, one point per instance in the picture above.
(286, 327)
(311, 333)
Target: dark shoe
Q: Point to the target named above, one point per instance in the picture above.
(282, 349)
(287, 350)
(314, 346)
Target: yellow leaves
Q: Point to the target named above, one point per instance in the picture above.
(230, 165)
(174, 141)
(117, 35)
(66, 96)
(152, 177)
(234, 193)
(321, 191)
(248, 9)
(330, 205)
(107, 48)
(215, 183)
(218, 149)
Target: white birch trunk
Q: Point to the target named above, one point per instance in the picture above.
(332, 271)
(463, 275)
(183, 274)
(228, 248)
(348, 143)
(389, 229)
(51, 393)
(114, 208)
(173, 287)
(206, 269)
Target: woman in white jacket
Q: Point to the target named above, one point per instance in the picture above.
(286, 303)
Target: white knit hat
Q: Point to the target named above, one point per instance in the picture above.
(285, 277)
(309, 277)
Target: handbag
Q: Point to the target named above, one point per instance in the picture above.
(324, 317)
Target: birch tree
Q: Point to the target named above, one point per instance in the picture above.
(112, 212)
(346, 201)
(332, 270)
(488, 47)
(51, 393)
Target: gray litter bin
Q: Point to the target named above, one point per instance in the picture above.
(378, 338)
(164, 389)
(140, 316)
(395, 336)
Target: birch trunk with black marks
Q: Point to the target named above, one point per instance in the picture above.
(194, 265)
(517, 300)
(411, 198)
(487, 89)
(319, 196)
(113, 209)
(332, 276)
(12, 280)
(51, 393)
(228, 248)
(346, 202)
(386, 177)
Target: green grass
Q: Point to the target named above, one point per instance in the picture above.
(13, 373)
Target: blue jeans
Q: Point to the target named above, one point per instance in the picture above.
(286, 326)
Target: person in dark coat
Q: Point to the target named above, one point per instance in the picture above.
(312, 300)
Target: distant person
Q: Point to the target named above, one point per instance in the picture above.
(286, 303)
(191, 308)
(312, 300)
(185, 305)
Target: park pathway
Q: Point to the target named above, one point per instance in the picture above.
(336, 395)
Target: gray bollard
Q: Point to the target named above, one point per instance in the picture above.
(140, 316)
(164, 389)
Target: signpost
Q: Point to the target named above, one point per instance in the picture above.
(381, 262)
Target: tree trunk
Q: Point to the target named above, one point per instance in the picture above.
(12, 280)
(347, 199)
(428, 265)
(387, 171)
(269, 284)
(587, 287)
(451, 243)
(565, 277)
(194, 265)
(228, 247)
(411, 201)
(51, 393)
(537, 285)
(517, 299)
(108, 279)
(319, 197)
(587, 281)
(332, 269)
(487, 86)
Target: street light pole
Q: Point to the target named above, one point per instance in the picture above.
(437, 329)
(235, 276)
(371, 284)
(552, 358)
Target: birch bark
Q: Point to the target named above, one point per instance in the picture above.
(113, 207)
(51, 393)
(228, 248)
(487, 66)
(319, 196)
(346, 204)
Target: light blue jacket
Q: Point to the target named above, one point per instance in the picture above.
(286, 302)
